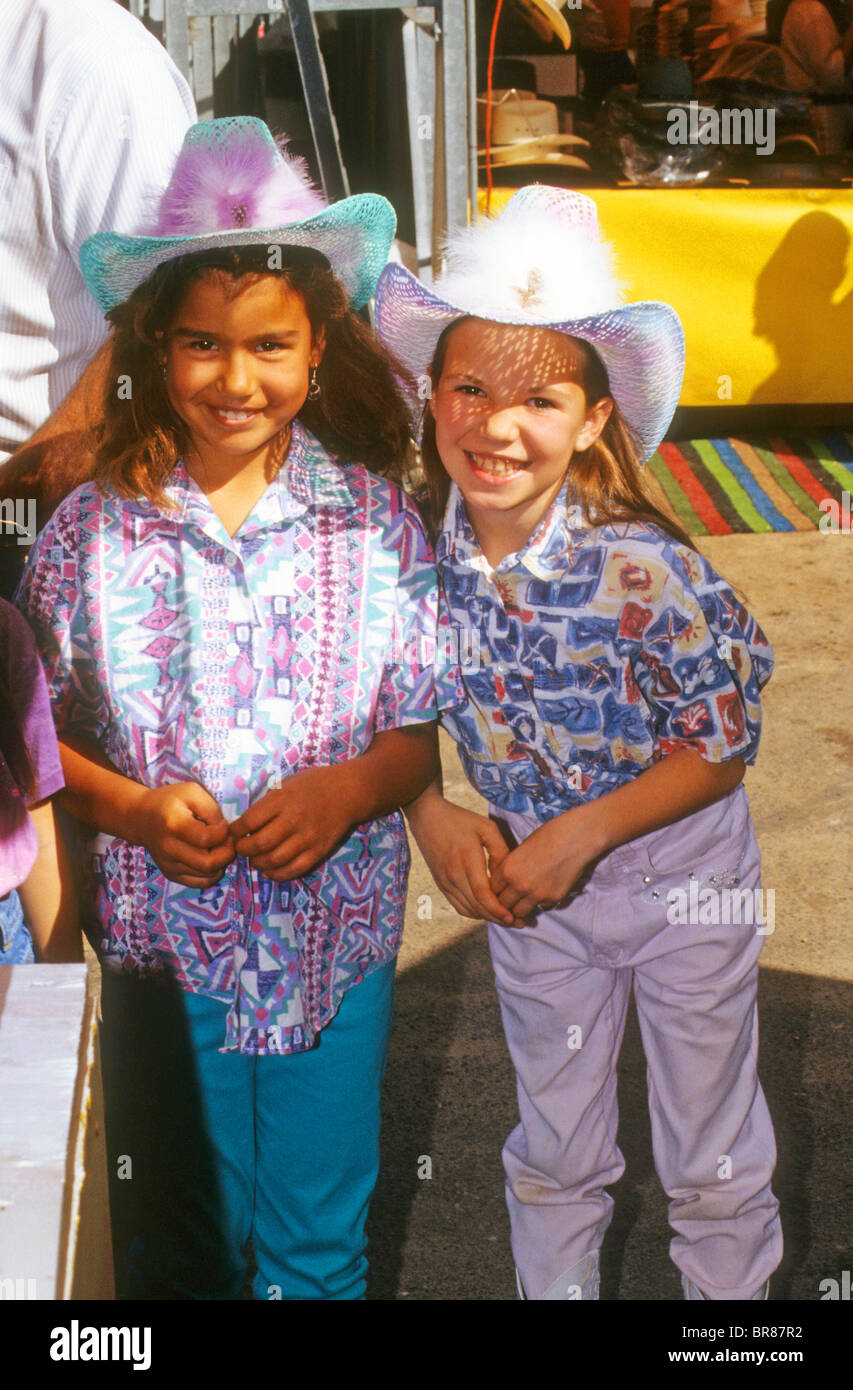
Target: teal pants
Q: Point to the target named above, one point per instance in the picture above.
(209, 1150)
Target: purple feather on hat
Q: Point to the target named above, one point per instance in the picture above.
(232, 185)
(242, 182)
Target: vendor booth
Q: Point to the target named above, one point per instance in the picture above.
(715, 180)
(720, 166)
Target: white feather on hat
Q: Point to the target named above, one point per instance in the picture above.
(551, 273)
(542, 262)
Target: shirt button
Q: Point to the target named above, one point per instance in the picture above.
(230, 559)
(502, 668)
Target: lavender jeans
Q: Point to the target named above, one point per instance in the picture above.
(564, 985)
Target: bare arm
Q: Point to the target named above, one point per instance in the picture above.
(395, 768)
(287, 832)
(545, 866)
(180, 824)
(95, 792)
(60, 454)
(48, 896)
(455, 843)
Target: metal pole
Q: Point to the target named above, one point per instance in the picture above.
(471, 34)
(177, 40)
(316, 88)
(419, 66)
(455, 111)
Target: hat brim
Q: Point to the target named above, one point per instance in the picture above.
(542, 157)
(354, 235)
(533, 142)
(641, 346)
(534, 152)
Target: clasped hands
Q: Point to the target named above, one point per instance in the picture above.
(289, 830)
(284, 834)
(483, 877)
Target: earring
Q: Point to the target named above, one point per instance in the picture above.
(314, 387)
(163, 366)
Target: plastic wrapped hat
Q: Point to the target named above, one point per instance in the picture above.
(233, 186)
(541, 262)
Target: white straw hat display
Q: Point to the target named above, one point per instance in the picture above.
(525, 130)
(541, 262)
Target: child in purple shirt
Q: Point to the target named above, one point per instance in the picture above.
(36, 897)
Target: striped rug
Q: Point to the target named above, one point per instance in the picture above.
(718, 486)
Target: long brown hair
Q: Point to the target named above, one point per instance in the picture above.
(607, 477)
(359, 413)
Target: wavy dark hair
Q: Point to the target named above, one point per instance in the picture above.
(359, 414)
(607, 477)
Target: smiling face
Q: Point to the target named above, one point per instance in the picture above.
(237, 367)
(509, 413)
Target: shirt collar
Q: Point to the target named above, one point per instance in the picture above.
(310, 476)
(546, 553)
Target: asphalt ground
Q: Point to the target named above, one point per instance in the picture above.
(450, 1093)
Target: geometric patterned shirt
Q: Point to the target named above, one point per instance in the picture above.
(591, 654)
(233, 662)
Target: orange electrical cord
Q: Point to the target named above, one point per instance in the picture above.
(489, 72)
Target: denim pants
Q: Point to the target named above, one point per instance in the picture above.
(16, 944)
(207, 1149)
(564, 984)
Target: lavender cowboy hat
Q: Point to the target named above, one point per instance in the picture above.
(541, 262)
(233, 186)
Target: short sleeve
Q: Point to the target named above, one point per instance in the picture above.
(51, 598)
(700, 660)
(421, 676)
(25, 680)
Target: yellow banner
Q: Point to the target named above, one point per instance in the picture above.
(762, 280)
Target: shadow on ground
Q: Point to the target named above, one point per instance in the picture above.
(450, 1098)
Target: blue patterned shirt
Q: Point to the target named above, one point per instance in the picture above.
(589, 655)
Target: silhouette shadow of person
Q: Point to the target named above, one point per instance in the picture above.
(797, 310)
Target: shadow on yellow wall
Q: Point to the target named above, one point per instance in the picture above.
(796, 310)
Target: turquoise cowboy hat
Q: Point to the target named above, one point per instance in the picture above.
(233, 185)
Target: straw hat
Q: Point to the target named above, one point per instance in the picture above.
(525, 130)
(546, 20)
(233, 186)
(541, 262)
(546, 151)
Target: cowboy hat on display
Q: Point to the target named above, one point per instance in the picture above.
(233, 186)
(525, 130)
(541, 262)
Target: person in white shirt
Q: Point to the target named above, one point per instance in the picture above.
(92, 115)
